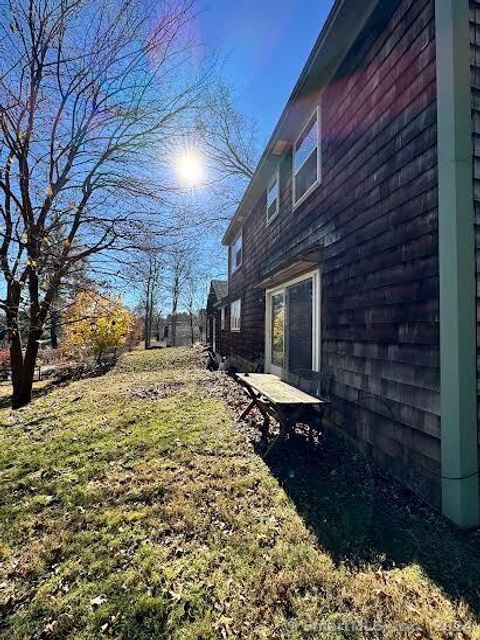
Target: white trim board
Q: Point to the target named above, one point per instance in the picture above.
(315, 276)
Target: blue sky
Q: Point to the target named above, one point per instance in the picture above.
(265, 43)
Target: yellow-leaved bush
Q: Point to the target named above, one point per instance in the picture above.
(96, 323)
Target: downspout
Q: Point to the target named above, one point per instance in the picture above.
(458, 366)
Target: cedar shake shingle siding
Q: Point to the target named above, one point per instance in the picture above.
(375, 214)
(380, 277)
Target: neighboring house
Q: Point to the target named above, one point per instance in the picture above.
(187, 327)
(216, 310)
(354, 246)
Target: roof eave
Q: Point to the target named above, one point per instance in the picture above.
(343, 25)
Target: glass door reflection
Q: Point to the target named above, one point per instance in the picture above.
(299, 321)
(278, 333)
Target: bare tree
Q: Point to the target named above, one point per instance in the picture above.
(179, 261)
(228, 140)
(228, 136)
(191, 290)
(90, 91)
(190, 305)
(151, 285)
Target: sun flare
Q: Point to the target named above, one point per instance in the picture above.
(190, 168)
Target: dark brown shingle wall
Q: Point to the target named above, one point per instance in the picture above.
(376, 215)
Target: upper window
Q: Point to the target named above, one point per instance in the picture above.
(222, 318)
(236, 250)
(235, 313)
(273, 199)
(306, 159)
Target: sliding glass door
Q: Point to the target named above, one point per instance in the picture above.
(293, 327)
(299, 327)
(277, 326)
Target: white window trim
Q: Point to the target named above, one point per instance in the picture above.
(277, 209)
(315, 276)
(236, 329)
(234, 269)
(223, 313)
(297, 203)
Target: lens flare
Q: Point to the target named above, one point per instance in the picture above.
(190, 168)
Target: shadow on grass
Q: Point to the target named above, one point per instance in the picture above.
(6, 398)
(67, 376)
(360, 516)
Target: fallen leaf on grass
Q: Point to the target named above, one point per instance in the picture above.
(98, 600)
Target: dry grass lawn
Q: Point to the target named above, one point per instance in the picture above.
(131, 507)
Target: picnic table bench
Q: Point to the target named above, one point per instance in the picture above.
(285, 403)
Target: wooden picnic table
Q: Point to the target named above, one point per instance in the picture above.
(278, 399)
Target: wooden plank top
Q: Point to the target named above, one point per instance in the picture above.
(276, 390)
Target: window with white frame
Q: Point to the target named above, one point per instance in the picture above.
(222, 318)
(293, 326)
(307, 159)
(235, 313)
(236, 251)
(273, 198)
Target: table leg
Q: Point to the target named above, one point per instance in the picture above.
(266, 424)
(285, 423)
(247, 410)
(256, 402)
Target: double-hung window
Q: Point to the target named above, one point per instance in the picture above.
(307, 159)
(236, 251)
(235, 313)
(273, 198)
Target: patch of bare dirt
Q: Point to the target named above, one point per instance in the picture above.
(158, 391)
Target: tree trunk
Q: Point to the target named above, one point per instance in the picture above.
(54, 329)
(23, 366)
(146, 328)
(15, 341)
(150, 314)
(16, 365)
(23, 369)
(174, 328)
(175, 295)
(148, 309)
(192, 334)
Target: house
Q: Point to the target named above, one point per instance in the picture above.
(215, 313)
(355, 248)
(188, 328)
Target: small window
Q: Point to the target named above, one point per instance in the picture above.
(235, 313)
(222, 318)
(236, 250)
(306, 159)
(273, 199)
